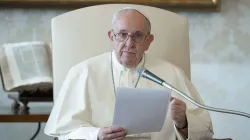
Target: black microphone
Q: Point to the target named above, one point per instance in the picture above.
(143, 72)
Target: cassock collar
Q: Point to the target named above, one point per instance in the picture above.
(120, 67)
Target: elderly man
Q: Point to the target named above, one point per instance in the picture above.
(85, 105)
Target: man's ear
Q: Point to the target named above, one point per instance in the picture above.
(149, 40)
(110, 36)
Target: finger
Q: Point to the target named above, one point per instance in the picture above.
(113, 129)
(176, 113)
(175, 117)
(116, 135)
(177, 102)
(178, 116)
(171, 98)
(178, 108)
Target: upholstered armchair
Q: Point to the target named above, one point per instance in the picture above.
(83, 33)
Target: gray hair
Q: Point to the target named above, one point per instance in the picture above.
(116, 14)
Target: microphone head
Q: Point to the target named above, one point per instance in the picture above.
(140, 71)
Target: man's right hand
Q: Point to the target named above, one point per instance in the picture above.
(112, 133)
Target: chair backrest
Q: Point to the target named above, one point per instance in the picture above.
(83, 33)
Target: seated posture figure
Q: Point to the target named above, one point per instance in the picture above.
(84, 107)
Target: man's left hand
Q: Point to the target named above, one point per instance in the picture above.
(178, 112)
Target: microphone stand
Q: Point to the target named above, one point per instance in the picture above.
(150, 76)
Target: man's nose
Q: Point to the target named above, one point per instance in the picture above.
(130, 42)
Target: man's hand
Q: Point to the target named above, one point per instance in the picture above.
(178, 112)
(112, 133)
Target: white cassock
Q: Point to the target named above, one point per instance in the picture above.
(86, 100)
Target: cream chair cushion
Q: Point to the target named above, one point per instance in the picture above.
(83, 33)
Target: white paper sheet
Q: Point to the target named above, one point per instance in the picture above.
(141, 110)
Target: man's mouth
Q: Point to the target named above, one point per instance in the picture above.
(129, 54)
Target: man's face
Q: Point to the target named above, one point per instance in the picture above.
(130, 38)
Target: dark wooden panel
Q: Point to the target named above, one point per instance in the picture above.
(173, 5)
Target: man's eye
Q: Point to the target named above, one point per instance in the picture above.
(138, 35)
(123, 34)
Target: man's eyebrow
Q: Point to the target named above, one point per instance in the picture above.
(122, 30)
(139, 32)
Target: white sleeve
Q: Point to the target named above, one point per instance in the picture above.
(71, 116)
(199, 121)
(82, 133)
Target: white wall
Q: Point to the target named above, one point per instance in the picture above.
(220, 58)
(220, 64)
